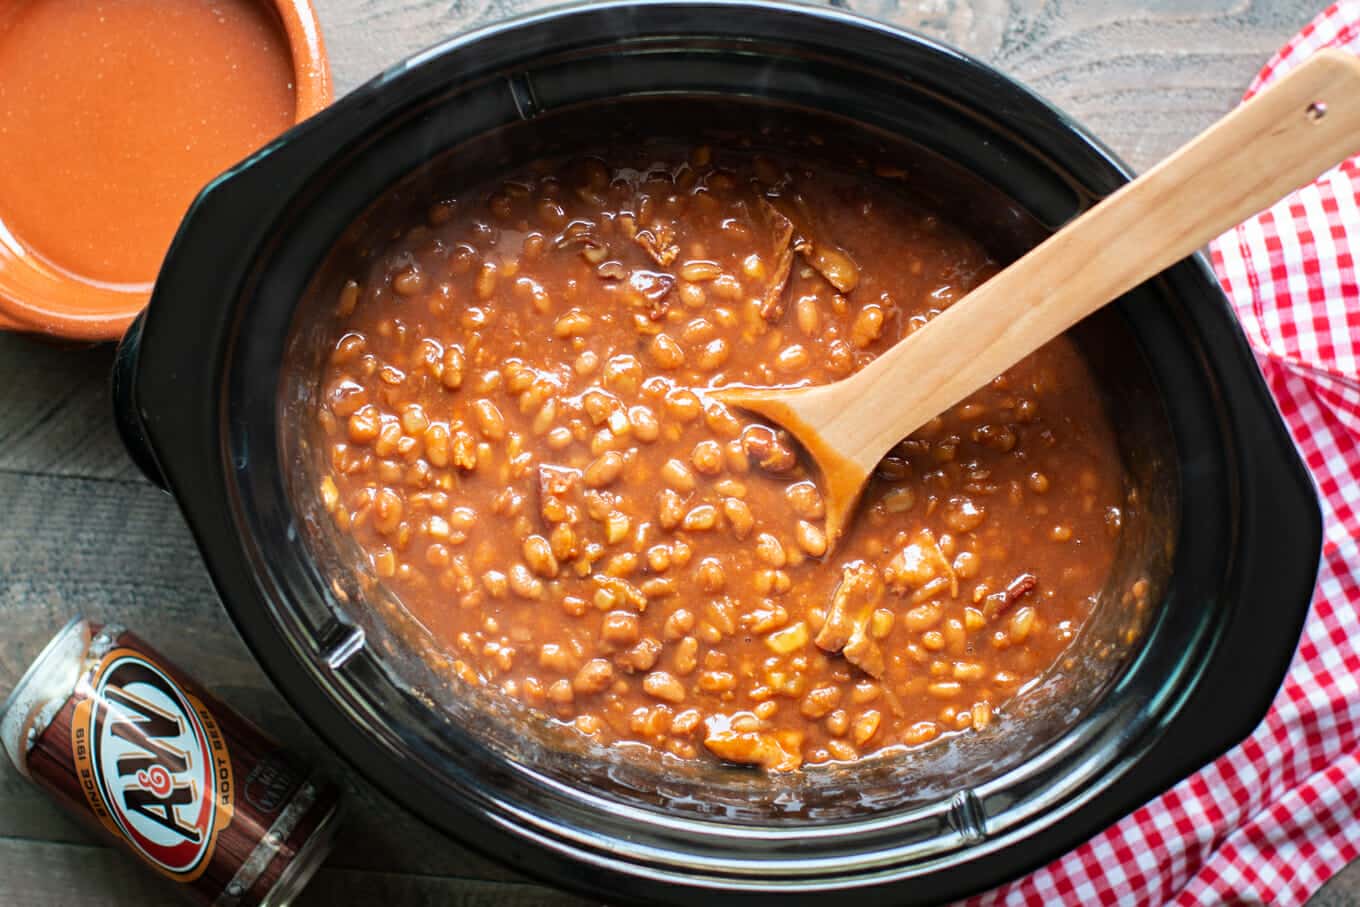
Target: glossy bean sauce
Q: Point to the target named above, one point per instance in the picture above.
(519, 439)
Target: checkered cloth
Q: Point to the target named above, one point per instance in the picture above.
(1274, 818)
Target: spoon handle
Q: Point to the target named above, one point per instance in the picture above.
(1281, 139)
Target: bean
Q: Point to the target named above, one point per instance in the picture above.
(409, 282)
(701, 518)
(726, 286)
(677, 475)
(616, 526)
(866, 726)
(712, 355)
(710, 575)
(643, 423)
(805, 500)
(678, 624)
(683, 405)
(968, 670)
(586, 363)
(659, 558)
(769, 550)
(594, 677)
(944, 689)
(717, 681)
(561, 692)
(792, 359)
(788, 640)
(623, 374)
(463, 451)
(659, 587)
(819, 702)
(720, 420)
(920, 732)
(452, 366)
(413, 419)
(772, 582)
(867, 326)
(997, 437)
(437, 444)
(670, 509)
(572, 323)
(808, 315)
(563, 542)
(769, 449)
(699, 271)
(538, 554)
(604, 470)
(961, 514)
(348, 300)
(364, 425)
(524, 584)
(881, 623)
(922, 617)
(490, 421)
(385, 563)
(664, 686)
(487, 277)
(707, 458)
(621, 565)
(665, 352)
(496, 583)
(620, 628)
(387, 511)
(810, 538)
(738, 517)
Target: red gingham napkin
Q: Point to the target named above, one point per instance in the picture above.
(1274, 818)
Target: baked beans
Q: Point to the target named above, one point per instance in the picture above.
(520, 438)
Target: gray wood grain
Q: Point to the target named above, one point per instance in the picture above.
(41, 873)
(82, 532)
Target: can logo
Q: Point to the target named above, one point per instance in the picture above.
(153, 764)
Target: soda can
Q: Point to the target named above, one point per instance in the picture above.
(128, 743)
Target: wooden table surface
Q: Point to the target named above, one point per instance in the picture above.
(82, 532)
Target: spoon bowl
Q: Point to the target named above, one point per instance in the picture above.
(1305, 124)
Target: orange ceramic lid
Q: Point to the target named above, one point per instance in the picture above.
(114, 115)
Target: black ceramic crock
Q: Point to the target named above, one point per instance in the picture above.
(214, 382)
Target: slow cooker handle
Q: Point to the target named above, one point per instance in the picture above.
(125, 413)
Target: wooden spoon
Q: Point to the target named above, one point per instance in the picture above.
(1282, 139)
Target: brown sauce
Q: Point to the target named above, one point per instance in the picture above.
(114, 113)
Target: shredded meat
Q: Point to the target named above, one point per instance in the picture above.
(846, 629)
(749, 747)
(825, 257)
(921, 569)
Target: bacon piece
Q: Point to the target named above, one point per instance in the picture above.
(1016, 589)
(659, 243)
(774, 300)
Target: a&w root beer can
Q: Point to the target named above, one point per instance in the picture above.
(123, 739)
